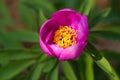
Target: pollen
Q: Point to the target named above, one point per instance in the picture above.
(64, 36)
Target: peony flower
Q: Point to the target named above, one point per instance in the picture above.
(64, 35)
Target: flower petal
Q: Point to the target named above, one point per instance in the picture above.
(72, 52)
(82, 29)
(84, 24)
(47, 28)
(75, 20)
(55, 50)
(44, 48)
(46, 32)
(66, 17)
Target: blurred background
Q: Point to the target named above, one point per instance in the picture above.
(20, 55)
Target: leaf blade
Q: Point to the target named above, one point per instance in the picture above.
(14, 68)
(68, 71)
(37, 72)
(24, 36)
(53, 75)
(107, 34)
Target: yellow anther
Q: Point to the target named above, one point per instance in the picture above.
(65, 36)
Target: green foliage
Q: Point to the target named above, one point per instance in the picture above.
(7, 42)
(102, 62)
(13, 68)
(36, 72)
(111, 55)
(86, 66)
(27, 16)
(53, 75)
(20, 54)
(68, 71)
(41, 18)
(107, 34)
(5, 18)
(98, 17)
(52, 63)
(24, 36)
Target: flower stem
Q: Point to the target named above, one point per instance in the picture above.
(105, 66)
(101, 62)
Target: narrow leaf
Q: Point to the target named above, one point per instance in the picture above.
(9, 54)
(98, 17)
(110, 27)
(68, 71)
(52, 63)
(105, 66)
(36, 73)
(101, 62)
(86, 67)
(42, 18)
(27, 16)
(93, 52)
(7, 42)
(24, 36)
(112, 55)
(53, 75)
(88, 6)
(12, 69)
(5, 18)
(107, 34)
(38, 4)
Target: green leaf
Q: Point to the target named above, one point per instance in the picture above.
(105, 66)
(95, 17)
(24, 36)
(112, 55)
(63, 78)
(112, 28)
(86, 6)
(42, 18)
(93, 52)
(107, 34)
(53, 75)
(42, 57)
(7, 42)
(68, 71)
(37, 71)
(73, 4)
(9, 54)
(40, 4)
(52, 63)
(86, 67)
(5, 18)
(115, 6)
(101, 62)
(27, 16)
(75, 66)
(14, 68)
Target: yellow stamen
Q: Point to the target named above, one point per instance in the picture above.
(65, 36)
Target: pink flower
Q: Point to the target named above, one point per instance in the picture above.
(64, 35)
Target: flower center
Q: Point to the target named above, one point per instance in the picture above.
(65, 36)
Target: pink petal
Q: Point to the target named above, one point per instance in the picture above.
(44, 48)
(46, 32)
(72, 52)
(82, 29)
(47, 28)
(55, 50)
(66, 17)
